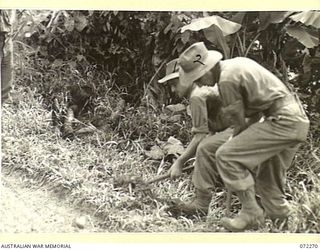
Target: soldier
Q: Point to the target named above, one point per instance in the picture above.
(6, 52)
(258, 155)
(209, 130)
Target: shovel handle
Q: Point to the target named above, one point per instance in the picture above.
(165, 176)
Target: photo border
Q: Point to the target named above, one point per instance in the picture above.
(162, 5)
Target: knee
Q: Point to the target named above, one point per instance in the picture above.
(206, 148)
(221, 154)
(202, 149)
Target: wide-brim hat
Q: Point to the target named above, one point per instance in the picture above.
(196, 61)
(172, 71)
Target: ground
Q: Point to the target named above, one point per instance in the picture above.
(26, 209)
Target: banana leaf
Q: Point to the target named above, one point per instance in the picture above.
(308, 18)
(306, 37)
(227, 27)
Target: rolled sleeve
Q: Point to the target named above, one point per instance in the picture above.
(199, 114)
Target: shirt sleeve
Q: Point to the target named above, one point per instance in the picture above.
(233, 104)
(216, 119)
(199, 114)
(232, 100)
(230, 93)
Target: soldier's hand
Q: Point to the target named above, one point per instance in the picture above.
(176, 170)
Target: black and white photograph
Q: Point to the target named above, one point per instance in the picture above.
(160, 121)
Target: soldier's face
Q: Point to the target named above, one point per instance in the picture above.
(207, 79)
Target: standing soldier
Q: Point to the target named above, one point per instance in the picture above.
(258, 155)
(6, 52)
(209, 130)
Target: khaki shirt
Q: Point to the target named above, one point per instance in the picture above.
(205, 107)
(246, 85)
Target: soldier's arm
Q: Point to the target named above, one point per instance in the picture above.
(191, 148)
(199, 129)
(235, 113)
(233, 106)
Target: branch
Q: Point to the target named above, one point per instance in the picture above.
(152, 78)
(252, 42)
(240, 44)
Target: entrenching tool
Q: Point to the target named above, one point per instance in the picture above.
(137, 180)
(132, 181)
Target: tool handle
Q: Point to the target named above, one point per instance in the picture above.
(167, 175)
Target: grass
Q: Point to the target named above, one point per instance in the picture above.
(83, 171)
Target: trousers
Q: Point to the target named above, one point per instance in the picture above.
(261, 154)
(205, 175)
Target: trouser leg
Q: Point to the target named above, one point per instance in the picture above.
(270, 183)
(238, 158)
(205, 175)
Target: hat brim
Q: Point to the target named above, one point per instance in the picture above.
(187, 78)
(169, 77)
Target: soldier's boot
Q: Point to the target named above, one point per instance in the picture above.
(281, 220)
(251, 215)
(199, 205)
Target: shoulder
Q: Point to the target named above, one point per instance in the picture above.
(237, 62)
(237, 69)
